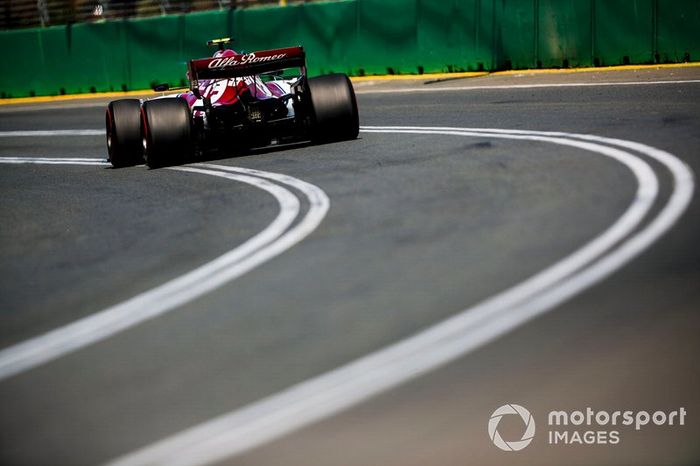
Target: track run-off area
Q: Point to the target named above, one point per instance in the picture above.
(599, 198)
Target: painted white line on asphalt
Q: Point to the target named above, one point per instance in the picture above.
(318, 207)
(325, 395)
(54, 132)
(644, 198)
(66, 160)
(273, 240)
(54, 161)
(682, 175)
(409, 90)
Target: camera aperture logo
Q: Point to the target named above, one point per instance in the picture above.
(584, 427)
(527, 418)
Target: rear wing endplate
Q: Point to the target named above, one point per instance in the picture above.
(247, 64)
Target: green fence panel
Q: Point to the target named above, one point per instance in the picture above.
(23, 70)
(482, 24)
(440, 36)
(515, 34)
(201, 27)
(266, 28)
(455, 35)
(154, 49)
(564, 33)
(386, 36)
(678, 31)
(55, 46)
(624, 31)
(328, 33)
(57, 43)
(95, 59)
(356, 37)
(159, 48)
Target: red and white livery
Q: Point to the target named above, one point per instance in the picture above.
(234, 101)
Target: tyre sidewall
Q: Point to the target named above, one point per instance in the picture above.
(335, 113)
(124, 132)
(167, 131)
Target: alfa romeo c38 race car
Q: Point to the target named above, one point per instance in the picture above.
(234, 102)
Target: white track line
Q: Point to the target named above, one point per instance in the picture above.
(65, 160)
(327, 394)
(54, 161)
(53, 132)
(318, 207)
(273, 240)
(413, 90)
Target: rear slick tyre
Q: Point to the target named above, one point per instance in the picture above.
(124, 134)
(167, 132)
(336, 117)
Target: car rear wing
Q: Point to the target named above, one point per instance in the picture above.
(247, 64)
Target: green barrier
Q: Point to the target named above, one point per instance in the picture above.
(358, 37)
(455, 35)
(386, 39)
(330, 35)
(157, 43)
(23, 66)
(677, 32)
(628, 41)
(515, 35)
(564, 33)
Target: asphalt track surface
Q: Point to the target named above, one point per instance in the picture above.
(369, 243)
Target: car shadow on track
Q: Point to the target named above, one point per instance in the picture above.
(222, 154)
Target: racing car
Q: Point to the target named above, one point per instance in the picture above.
(234, 101)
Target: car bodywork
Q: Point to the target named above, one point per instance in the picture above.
(234, 101)
(245, 96)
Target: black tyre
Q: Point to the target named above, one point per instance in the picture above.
(335, 108)
(167, 132)
(124, 135)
